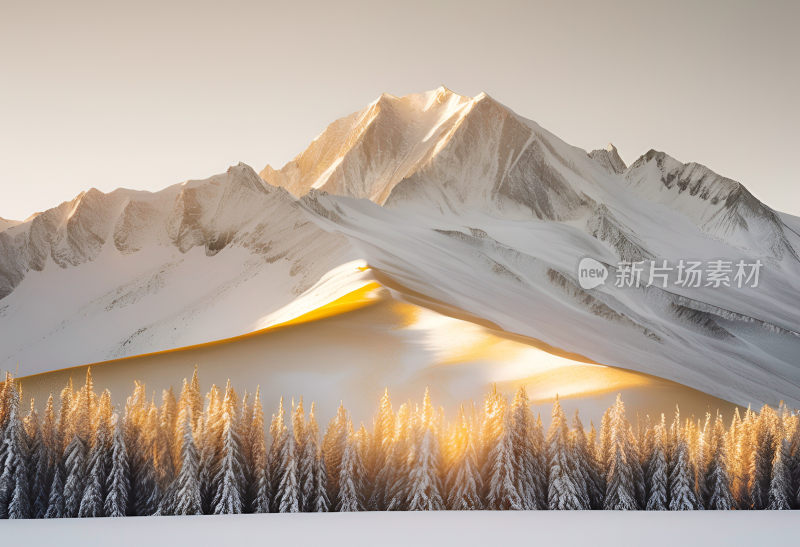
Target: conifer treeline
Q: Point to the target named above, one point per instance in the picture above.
(190, 456)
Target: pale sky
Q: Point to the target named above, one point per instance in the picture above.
(143, 95)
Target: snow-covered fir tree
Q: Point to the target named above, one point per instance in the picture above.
(15, 483)
(118, 480)
(351, 474)
(43, 458)
(333, 445)
(227, 498)
(718, 480)
(780, 486)
(210, 443)
(463, 483)
(99, 465)
(424, 492)
(313, 482)
(287, 491)
(527, 469)
(658, 470)
(76, 455)
(592, 487)
(682, 496)
(258, 487)
(762, 459)
(563, 490)
(184, 496)
(500, 471)
(621, 491)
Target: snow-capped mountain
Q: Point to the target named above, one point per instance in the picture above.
(457, 202)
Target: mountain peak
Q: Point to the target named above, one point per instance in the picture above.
(609, 158)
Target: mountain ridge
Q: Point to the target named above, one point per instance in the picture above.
(458, 199)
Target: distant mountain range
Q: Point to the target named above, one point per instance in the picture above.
(452, 200)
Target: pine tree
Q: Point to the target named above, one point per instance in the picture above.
(208, 434)
(259, 483)
(350, 478)
(287, 493)
(780, 486)
(42, 466)
(542, 464)
(501, 473)
(795, 450)
(742, 461)
(316, 494)
(118, 480)
(185, 494)
(145, 481)
(621, 481)
(64, 433)
(563, 492)
(333, 448)
(588, 480)
(303, 472)
(164, 439)
(244, 424)
(382, 435)
(15, 500)
(279, 434)
(604, 451)
(463, 483)
(55, 503)
(658, 471)
(763, 456)
(424, 488)
(681, 491)
(718, 478)
(195, 401)
(93, 500)
(311, 469)
(228, 477)
(76, 454)
(526, 468)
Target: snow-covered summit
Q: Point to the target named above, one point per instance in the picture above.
(443, 149)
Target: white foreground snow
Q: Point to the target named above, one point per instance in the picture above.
(447, 528)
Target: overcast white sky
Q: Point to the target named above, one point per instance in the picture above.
(144, 94)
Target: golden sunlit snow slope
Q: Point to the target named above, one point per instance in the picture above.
(372, 338)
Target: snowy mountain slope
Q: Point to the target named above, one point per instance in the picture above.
(5, 223)
(146, 272)
(521, 276)
(720, 206)
(457, 201)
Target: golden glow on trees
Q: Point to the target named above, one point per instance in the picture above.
(186, 457)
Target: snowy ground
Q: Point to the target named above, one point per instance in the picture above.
(598, 528)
